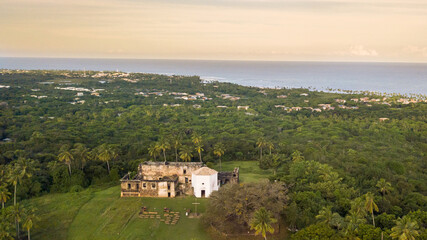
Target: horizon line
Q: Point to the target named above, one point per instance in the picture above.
(213, 60)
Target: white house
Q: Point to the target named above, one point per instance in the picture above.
(204, 181)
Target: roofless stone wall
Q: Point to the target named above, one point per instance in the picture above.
(156, 170)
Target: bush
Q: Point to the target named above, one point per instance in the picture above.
(76, 188)
(114, 175)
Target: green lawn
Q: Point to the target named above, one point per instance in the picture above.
(107, 216)
(249, 170)
(100, 213)
(57, 212)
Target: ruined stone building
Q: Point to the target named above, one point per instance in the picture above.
(169, 179)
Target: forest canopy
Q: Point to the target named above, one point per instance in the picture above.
(333, 151)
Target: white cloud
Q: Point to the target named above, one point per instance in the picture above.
(360, 50)
(357, 51)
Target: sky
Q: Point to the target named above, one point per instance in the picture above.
(272, 30)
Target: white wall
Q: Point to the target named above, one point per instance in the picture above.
(209, 183)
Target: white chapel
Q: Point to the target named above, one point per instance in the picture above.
(204, 182)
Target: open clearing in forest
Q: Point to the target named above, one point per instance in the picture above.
(100, 213)
(249, 170)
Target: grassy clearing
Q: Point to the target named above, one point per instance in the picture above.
(100, 213)
(249, 170)
(57, 212)
(107, 216)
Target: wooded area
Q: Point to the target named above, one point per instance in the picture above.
(347, 172)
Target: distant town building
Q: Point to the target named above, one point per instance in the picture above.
(243, 107)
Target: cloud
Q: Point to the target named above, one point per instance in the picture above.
(360, 50)
(357, 51)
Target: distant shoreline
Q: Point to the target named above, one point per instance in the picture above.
(401, 78)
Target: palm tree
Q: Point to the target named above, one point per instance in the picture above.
(29, 219)
(197, 139)
(353, 221)
(17, 213)
(67, 158)
(405, 229)
(14, 177)
(262, 222)
(185, 154)
(383, 186)
(261, 143)
(297, 156)
(219, 150)
(164, 145)
(154, 150)
(113, 152)
(358, 208)
(4, 194)
(82, 153)
(106, 154)
(198, 142)
(270, 146)
(325, 215)
(176, 142)
(18, 171)
(328, 217)
(199, 149)
(370, 205)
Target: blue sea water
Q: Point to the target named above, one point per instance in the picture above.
(404, 78)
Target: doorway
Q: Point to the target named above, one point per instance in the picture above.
(203, 193)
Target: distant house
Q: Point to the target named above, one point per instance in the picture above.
(364, 99)
(282, 96)
(243, 107)
(304, 94)
(384, 119)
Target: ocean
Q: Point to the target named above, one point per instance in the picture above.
(403, 78)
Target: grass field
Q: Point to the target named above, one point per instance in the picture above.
(249, 170)
(100, 213)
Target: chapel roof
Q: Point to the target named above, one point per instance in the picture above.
(205, 171)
